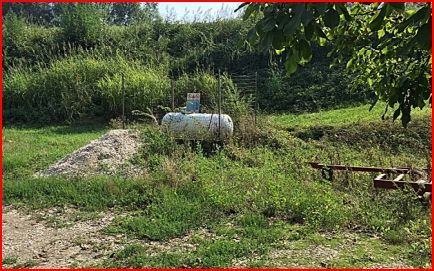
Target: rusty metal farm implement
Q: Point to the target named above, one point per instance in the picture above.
(388, 178)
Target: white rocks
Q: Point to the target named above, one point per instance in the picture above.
(105, 155)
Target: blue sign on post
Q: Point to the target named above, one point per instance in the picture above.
(193, 102)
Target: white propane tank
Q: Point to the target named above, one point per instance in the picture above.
(198, 126)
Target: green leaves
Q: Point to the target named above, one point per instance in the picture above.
(331, 18)
(350, 63)
(266, 41)
(321, 8)
(342, 9)
(398, 6)
(300, 53)
(417, 18)
(241, 6)
(382, 50)
(308, 30)
(249, 10)
(269, 24)
(252, 35)
(423, 36)
(319, 32)
(305, 49)
(82, 24)
(278, 41)
(381, 33)
(378, 19)
(306, 18)
(295, 21)
(291, 63)
(282, 20)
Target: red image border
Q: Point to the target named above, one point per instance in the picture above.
(171, 269)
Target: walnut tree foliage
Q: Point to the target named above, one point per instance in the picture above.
(386, 45)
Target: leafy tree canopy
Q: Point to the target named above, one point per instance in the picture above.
(82, 23)
(126, 13)
(40, 13)
(51, 13)
(388, 45)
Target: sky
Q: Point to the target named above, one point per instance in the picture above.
(185, 10)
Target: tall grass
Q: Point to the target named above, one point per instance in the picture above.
(66, 90)
(75, 87)
(190, 52)
(81, 86)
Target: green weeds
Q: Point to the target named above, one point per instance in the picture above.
(172, 213)
(265, 191)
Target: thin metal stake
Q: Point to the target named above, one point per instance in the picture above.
(256, 96)
(219, 104)
(123, 101)
(173, 96)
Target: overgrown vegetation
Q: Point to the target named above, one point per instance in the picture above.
(387, 45)
(253, 201)
(264, 186)
(68, 66)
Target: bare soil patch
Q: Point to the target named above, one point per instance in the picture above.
(52, 238)
(33, 242)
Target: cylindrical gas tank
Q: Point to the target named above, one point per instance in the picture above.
(198, 126)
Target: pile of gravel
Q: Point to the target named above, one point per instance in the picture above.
(106, 155)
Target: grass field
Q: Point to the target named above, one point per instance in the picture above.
(257, 206)
(339, 117)
(27, 150)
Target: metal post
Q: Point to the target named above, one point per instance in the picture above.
(219, 103)
(123, 101)
(173, 96)
(256, 96)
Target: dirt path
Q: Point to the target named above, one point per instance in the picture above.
(42, 239)
(31, 240)
(28, 242)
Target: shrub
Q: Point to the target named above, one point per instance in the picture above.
(190, 52)
(203, 82)
(82, 23)
(14, 38)
(139, 41)
(156, 141)
(27, 44)
(313, 88)
(233, 103)
(64, 91)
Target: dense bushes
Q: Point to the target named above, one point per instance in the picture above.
(28, 45)
(202, 82)
(312, 88)
(72, 70)
(82, 86)
(81, 23)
